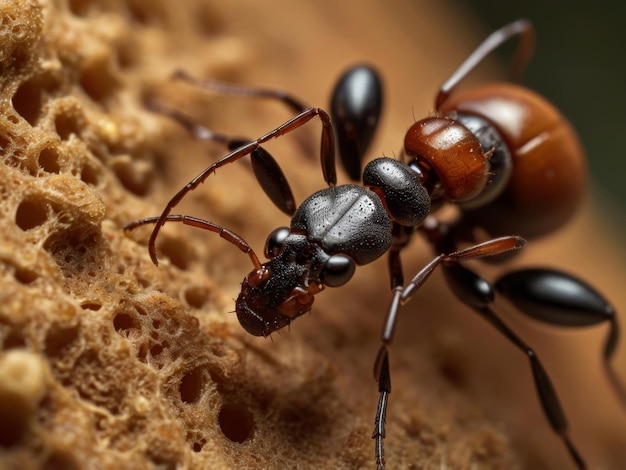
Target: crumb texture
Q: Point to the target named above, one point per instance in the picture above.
(107, 361)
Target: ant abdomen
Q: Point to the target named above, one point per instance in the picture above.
(548, 175)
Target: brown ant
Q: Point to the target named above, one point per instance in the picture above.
(503, 155)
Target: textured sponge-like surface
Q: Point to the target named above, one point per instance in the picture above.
(107, 361)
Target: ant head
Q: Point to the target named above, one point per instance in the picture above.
(283, 288)
(270, 300)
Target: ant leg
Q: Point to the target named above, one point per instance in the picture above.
(561, 299)
(522, 28)
(401, 236)
(264, 166)
(477, 293)
(197, 130)
(493, 247)
(383, 377)
(241, 90)
(223, 232)
(355, 107)
(327, 156)
(400, 296)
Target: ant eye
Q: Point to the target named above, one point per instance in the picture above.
(275, 242)
(338, 270)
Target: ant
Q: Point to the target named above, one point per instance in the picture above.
(500, 153)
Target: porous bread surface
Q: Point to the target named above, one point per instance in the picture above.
(107, 361)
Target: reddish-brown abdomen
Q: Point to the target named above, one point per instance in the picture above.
(549, 170)
(453, 152)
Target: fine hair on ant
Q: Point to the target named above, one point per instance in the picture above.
(504, 156)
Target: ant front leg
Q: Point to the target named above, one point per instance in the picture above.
(402, 295)
(223, 232)
(327, 157)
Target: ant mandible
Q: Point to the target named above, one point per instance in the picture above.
(503, 155)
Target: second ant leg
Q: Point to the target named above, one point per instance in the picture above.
(477, 293)
(264, 166)
(242, 90)
(401, 295)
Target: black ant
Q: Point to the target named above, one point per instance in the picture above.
(503, 155)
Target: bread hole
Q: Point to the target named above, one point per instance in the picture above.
(124, 322)
(13, 340)
(80, 7)
(31, 213)
(97, 80)
(127, 56)
(59, 459)
(12, 427)
(217, 377)
(192, 385)
(139, 11)
(59, 339)
(15, 416)
(236, 422)
(25, 275)
(145, 283)
(20, 57)
(5, 141)
(158, 348)
(177, 251)
(12, 118)
(90, 175)
(167, 461)
(142, 352)
(95, 306)
(134, 176)
(27, 101)
(49, 160)
(196, 296)
(140, 310)
(67, 125)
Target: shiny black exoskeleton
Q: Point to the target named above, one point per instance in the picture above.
(331, 232)
(457, 158)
